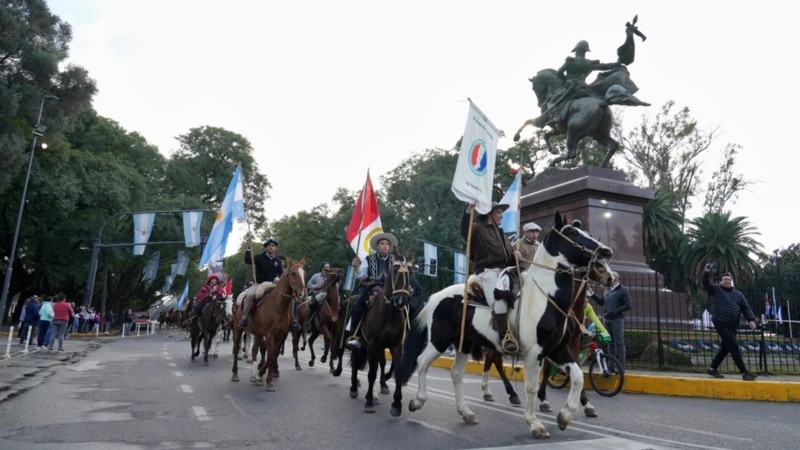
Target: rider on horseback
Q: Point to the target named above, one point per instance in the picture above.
(269, 267)
(315, 285)
(211, 289)
(491, 252)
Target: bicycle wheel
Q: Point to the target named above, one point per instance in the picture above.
(557, 378)
(607, 384)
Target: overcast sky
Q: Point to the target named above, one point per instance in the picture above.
(328, 90)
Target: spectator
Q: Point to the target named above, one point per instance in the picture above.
(45, 319)
(617, 300)
(62, 311)
(22, 320)
(109, 320)
(126, 325)
(31, 319)
(88, 319)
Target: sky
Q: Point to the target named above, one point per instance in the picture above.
(326, 91)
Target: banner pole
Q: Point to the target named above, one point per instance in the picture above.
(358, 246)
(466, 280)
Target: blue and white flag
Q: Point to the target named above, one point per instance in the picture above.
(232, 208)
(184, 295)
(151, 269)
(183, 263)
(142, 227)
(431, 259)
(191, 227)
(459, 267)
(474, 176)
(510, 223)
(167, 283)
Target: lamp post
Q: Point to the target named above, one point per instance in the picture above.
(38, 130)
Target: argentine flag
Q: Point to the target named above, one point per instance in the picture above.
(232, 209)
(510, 223)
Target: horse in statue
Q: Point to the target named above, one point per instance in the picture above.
(204, 326)
(542, 327)
(383, 326)
(269, 323)
(326, 317)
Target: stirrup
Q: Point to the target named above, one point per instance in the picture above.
(509, 343)
(243, 323)
(353, 343)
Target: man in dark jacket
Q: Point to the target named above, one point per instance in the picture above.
(616, 300)
(31, 319)
(269, 267)
(491, 252)
(728, 304)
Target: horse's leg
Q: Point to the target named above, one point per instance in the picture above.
(251, 355)
(528, 122)
(487, 366)
(295, 339)
(375, 360)
(207, 344)
(384, 387)
(544, 405)
(397, 403)
(217, 340)
(424, 361)
(272, 358)
(498, 362)
(326, 347)
(457, 375)
(573, 398)
(531, 379)
(237, 342)
(255, 377)
(353, 375)
(611, 144)
(314, 334)
(550, 148)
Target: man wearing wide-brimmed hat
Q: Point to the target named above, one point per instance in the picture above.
(528, 245)
(376, 271)
(491, 252)
(269, 267)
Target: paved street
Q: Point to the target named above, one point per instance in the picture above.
(143, 392)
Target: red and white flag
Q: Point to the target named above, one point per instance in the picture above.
(365, 222)
(229, 288)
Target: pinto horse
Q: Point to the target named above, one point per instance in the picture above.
(323, 322)
(269, 323)
(383, 326)
(542, 328)
(204, 326)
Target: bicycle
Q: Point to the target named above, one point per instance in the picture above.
(606, 374)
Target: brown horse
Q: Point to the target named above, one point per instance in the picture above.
(327, 316)
(384, 325)
(269, 323)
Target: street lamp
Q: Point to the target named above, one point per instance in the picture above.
(38, 130)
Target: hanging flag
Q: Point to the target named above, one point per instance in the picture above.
(459, 267)
(142, 227)
(232, 208)
(767, 306)
(474, 176)
(151, 269)
(191, 227)
(184, 295)
(183, 263)
(167, 283)
(510, 223)
(229, 288)
(431, 259)
(776, 307)
(365, 222)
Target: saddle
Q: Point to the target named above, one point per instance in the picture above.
(374, 292)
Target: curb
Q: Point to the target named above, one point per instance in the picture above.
(671, 385)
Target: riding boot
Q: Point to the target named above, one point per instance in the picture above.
(509, 345)
(355, 317)
(243, 322)
(295, 322)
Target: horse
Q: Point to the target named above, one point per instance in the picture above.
(204, 326)
(222, 326)
(546, 296)
(383, 326)
(327, 315)
(586, 116)
(270, 322)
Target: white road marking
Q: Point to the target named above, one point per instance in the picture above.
(167, 357)
(173, 365)
(187, 389)
(200, 412)
(178, 374)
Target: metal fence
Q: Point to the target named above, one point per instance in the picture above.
(671, 331)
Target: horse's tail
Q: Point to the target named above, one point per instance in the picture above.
(414, 345)
(359, 358)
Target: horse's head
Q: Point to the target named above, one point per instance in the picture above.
(545, 83)
(331, 287)
(399, 286)
(294, 278)
(577, 249)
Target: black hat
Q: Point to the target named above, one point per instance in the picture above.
(270, 241)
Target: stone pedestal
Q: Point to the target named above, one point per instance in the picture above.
(610, 209)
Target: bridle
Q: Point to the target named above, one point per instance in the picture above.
(402, 288)
(292, 288)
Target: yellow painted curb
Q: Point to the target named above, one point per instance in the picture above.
(675, 385)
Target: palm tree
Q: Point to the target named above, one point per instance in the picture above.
(661, 228)
(729, 242)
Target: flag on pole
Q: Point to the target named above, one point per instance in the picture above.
(459, 267)
(767, 306)
(142, 227)
(191, 227)
(510, 223)
(232, 208)
(167, 283)
(474, 176)
(229, 288)
(183, 263)
(184, 295)
(365, 222)
(151, 269)
(431, 259)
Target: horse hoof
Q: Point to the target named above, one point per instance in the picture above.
(216, 356)
(488, 398)
(193, 360)
(323, 359)
(563, 421)
(590, 412)
(375, 401)
(414, 405)
(385, 390)
(311, 363)
(235, 378)
(369, 409)
(514, 400)
(395, 412)
(297, 367)
(205, 362)
(470, 419)
(353, 393)
(540, 433)
(303, 348)
(336, 372)
(545, 407)
(270, 387)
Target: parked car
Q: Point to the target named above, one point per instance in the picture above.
(141, 317)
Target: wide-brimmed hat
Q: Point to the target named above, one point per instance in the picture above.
(530, 226)
(373, 242)
(501, 206)
(271, 241)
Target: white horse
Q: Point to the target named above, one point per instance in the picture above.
(542, 329)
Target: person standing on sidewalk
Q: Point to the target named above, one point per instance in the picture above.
(62, 311)
(31, 319)
(728, 305)
(45, 319)
(616, 301)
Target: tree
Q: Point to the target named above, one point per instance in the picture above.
(724, 186)
(661, 227)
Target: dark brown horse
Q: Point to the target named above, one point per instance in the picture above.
(269, 323)
(323, 322)
(384, 325)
